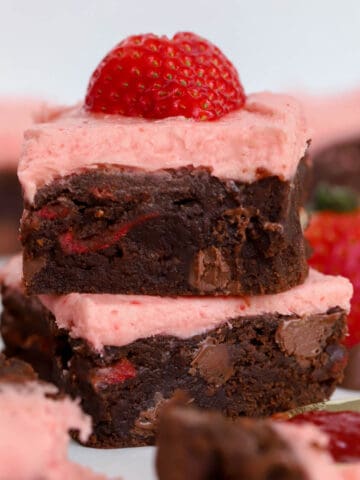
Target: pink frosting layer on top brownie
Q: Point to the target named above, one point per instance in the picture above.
(34, 434)
(309, 445)
(16, 115)
(117, 320)
(269, 135)
(332, 119)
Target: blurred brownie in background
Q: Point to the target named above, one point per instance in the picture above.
(335, 145)
(16, 114)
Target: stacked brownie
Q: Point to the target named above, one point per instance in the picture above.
(164, 254)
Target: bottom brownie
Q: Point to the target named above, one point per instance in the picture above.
(250, 365)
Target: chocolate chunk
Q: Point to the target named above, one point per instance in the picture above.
(305, 338)
(213, 362)
(210, 271)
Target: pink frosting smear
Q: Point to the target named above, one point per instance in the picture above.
(117, 320)
(269, 134)
(34, 434)
(332, 119)
(309, 444)
(16, 115)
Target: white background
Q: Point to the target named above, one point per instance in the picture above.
(50, 47)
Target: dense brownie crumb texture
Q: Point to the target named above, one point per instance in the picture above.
(178, 232)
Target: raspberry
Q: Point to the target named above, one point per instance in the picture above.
(156, 77)
(335, 240)
(116, 373)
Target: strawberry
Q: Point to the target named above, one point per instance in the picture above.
(157, 77)
(72, 245)
(114, 374)
(335, 240)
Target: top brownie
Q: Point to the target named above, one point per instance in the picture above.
(167, 207)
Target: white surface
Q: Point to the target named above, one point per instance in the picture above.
(129, 463)
(51, 48)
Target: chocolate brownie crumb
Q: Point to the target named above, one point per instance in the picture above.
(171, 232)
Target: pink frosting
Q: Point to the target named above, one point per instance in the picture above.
(16, 115)
(121, 319)
(269, 134)
(34, 434)
(117, 320)
(350, 472)
(332, 119)
(309, 446)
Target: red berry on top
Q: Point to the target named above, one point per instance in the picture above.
(157, 77)
(335, 240)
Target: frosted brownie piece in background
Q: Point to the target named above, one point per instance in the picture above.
(34, 427)
(116, 204)
(16, 114)
(335, 143)
(125, 356)
(201, 446)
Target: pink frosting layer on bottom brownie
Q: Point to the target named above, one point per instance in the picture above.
(119, 320)
(34, 434)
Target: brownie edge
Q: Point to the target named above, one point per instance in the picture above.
(170, 232)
